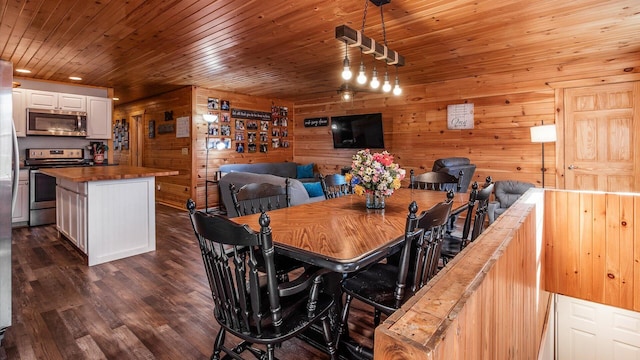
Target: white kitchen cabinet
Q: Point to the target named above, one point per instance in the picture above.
(19, 112)
(99, 117)
(71, 212)
(21, 209)
(38, 99)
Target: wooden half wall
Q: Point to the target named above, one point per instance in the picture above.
(592, 247)
(485, 304)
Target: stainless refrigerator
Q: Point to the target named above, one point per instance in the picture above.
(9, 168)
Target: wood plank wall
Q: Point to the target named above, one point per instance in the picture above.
(216, 157)
(592, 247)
(506, 106)
(415, 127)
(485, 304)
(188, 154)
(163, 151)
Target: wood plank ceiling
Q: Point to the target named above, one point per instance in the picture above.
(287, 49)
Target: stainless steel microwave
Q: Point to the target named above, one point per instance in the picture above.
(56, 122)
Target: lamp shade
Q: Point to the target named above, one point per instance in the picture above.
(543, 133)
(210, 118)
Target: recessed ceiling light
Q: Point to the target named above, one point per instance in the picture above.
(23, 71)
(116, 98)
(75, 78)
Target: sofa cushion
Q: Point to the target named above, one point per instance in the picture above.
(304, 171)
(313, 189)
(508, 191)
(297, 191)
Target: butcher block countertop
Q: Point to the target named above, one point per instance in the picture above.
(98, 173)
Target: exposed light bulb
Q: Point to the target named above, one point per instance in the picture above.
(346, 95)
(386, 87)
(375, 83)
(362, 77)
(346, 72)
(396, 89)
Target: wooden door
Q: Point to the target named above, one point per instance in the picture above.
(601, 124)
(587, 330)
(137, 140)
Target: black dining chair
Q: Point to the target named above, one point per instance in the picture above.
(387, 285)
(334, 185)
(257, 311)
(253, 198)
(478, 200)
(258, 197)
(435, 180)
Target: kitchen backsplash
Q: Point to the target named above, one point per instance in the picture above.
(35, 142)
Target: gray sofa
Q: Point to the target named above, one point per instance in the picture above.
(283, 169)
(453, 165)
(506, 193)
(297, 191)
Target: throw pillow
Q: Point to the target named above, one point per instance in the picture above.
(305, 171)
(313, 189)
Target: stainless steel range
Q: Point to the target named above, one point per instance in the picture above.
(42, 188)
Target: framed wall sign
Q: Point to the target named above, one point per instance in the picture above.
(460, 116)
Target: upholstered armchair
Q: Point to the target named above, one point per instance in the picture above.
(453, 165)
(506, 193)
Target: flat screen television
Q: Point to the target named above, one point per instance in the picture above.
(357, 131)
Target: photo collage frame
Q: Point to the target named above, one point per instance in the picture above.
(121, 135)
(219, 130)
(246, 131)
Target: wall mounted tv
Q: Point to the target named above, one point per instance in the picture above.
(357, 131)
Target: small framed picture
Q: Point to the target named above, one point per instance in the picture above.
(225, 105)
(213, 103)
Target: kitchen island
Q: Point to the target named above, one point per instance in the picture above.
(107, 212)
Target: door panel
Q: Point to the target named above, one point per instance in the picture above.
(600, 140)
(588, 330)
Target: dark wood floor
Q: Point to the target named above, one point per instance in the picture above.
(151, 306)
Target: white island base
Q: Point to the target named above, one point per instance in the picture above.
(108, 219)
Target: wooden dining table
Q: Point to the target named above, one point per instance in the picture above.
(341, 234)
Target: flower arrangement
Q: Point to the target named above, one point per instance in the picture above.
(374, 173)
(100, 148)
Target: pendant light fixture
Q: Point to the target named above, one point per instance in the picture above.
(386, 87)
(367, 45)
(346, 71)
(396, 89)
(375, 83)
(362, 76)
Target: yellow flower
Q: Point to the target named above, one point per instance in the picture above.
(396, 184)
(358, 189)
(348, 177)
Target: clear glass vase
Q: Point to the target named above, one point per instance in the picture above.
(374, 200)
